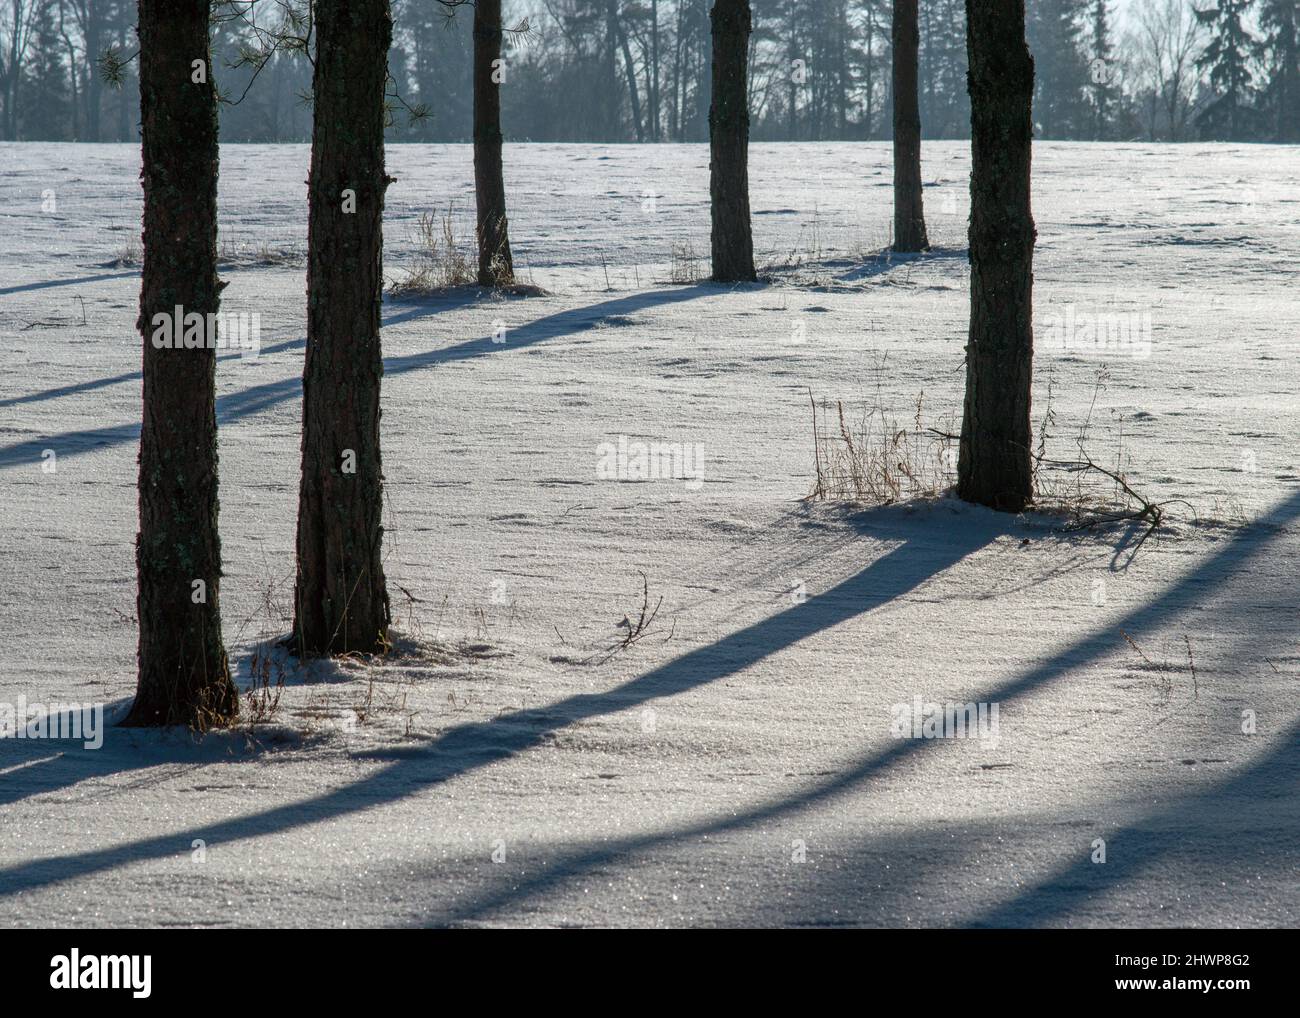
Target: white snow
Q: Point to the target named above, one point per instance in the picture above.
(679, 780)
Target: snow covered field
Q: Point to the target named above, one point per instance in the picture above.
(736, 765)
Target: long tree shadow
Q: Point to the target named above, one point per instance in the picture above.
(1235, 556)
(470, 747)
(1165, 835)
(35, 767)
(1225, 855)
(79, 280)
(1226, 852)
(887, 260)
(554, 326)
(59, 391)
(255, 399)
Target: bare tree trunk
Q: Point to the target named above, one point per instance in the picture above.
(994, 467)
(184, 677)
(909, 213)
(733, 245)
(703, 85)
(14, 71)
(675, 116)
(607, 84)
(869, 61)
(656, 131)
(94, 88)
(495, 263)
(629, 69)
(792, 53)
(73, 78)
(841, 69)
(124, 96)
(629, 72)
(341, 600)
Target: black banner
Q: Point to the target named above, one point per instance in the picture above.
(139, 968)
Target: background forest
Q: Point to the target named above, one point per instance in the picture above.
(638, 70)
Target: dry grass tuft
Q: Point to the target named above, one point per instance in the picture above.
(684, 264)
(442, 261)
(870, 456)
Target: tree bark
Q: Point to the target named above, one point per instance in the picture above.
(909, 214)
(341, 600)
(994, 465)
(495, 263)
(732, 241)
(184, 677)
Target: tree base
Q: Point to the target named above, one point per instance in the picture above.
(217, 709)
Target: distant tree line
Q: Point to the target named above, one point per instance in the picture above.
(639, 70)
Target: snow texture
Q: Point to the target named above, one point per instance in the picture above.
(736, 765)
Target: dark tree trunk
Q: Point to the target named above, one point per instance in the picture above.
(495, 263)
(909, 215)
(629, 69)
(994, 467)
(733, 244)
(341, 599)
(184, 676)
